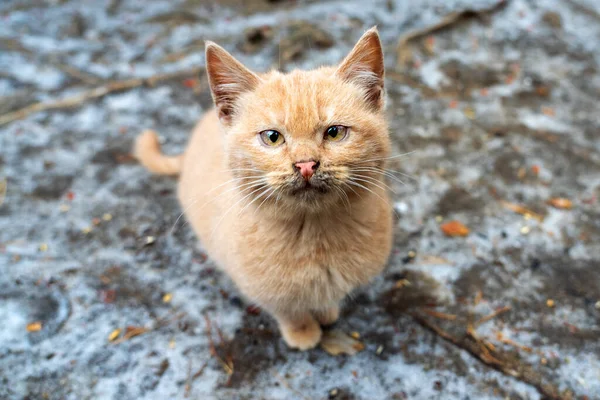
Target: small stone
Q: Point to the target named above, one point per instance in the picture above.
(149, 240)
(333, 393)
(107, 217)
(525, 230)
(379, 350)
(401, 207)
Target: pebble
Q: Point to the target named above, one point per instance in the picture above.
(525, 230)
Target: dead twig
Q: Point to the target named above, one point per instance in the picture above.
(227, 366)
(76, 73)
(101, 91)
(489, 355)
(493, 315)
(188, 381)
(403, 47)
(440, 315)
(191, 378)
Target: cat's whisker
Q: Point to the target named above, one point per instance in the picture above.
(261, 194)
(374, 182)
(387, 158)
(351, 188)
(391, 171)
(273, 191)
(343, 196)
(371, 191)
(242, 187)
(378, 171)
(230, 208)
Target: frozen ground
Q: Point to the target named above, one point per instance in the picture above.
(498, 109)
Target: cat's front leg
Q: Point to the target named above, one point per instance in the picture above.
(299, 330)
(327, 316)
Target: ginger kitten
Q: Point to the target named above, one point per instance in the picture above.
(283, 183)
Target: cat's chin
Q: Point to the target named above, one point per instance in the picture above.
(309, 190)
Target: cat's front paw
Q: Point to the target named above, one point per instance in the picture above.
(303, 336)
(328, 316)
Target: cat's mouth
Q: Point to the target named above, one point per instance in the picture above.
(309, 188)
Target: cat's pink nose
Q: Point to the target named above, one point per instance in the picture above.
(307, 168)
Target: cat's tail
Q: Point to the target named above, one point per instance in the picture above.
(147, 151)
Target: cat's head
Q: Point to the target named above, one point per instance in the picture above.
(306, 139)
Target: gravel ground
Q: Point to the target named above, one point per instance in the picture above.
(499, 109)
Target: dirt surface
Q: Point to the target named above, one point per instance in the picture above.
(499, 111)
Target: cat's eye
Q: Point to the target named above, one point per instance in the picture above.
(336, 133)
(272, 138)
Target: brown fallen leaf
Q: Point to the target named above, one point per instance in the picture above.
(561, 203)
(34, 327)
(336, 342)
(131, 332)
(454, 228)
(522, 210)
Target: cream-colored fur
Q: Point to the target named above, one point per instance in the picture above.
(295, 251)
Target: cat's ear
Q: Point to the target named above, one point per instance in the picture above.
(228, 80)
(364, 67)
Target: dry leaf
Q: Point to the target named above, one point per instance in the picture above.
(130, 332)
(562, 203)
(548, 111)
(469, 112)
(336, 342)
(522, 210)
(133, 331)
(34, 326)
(454, 228)
(114, 334)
